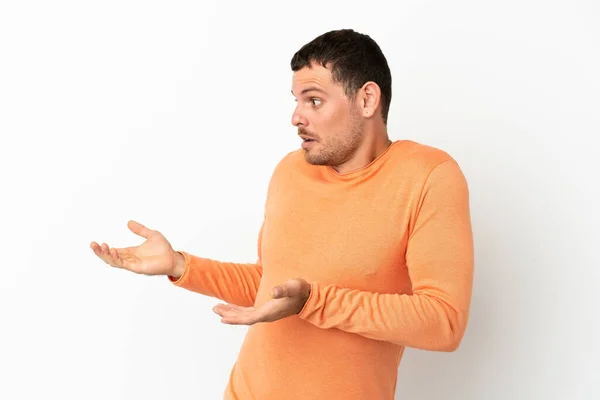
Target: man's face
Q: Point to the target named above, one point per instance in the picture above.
(324, 114)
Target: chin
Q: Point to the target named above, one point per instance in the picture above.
(314, 159)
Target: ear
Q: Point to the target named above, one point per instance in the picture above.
(370, 98)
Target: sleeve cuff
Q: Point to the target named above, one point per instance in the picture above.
(309, 306)
(179, 281)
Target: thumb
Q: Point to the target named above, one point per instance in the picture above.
(289, 289)
(139, 229)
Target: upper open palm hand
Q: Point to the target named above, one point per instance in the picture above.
(153, 257)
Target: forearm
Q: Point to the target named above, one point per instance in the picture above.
(231, 282)
(419, 320)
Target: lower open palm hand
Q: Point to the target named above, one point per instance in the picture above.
(287, 299)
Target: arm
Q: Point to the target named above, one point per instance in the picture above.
(231, 282)
(439, 258)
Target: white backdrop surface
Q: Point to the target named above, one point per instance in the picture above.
(175, 113)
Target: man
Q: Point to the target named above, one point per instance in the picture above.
(366, 245)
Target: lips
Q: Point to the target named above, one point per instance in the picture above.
(307, 138)
(308, 144)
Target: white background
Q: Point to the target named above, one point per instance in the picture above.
(174, 114)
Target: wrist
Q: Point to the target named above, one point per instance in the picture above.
(179, 266)
(305, 296)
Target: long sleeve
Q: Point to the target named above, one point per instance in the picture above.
(439, 259)
(231, 282)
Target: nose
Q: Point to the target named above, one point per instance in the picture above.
(298, 118)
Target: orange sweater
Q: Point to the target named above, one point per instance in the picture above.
(388, 250)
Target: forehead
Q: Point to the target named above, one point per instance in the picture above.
(316, 76)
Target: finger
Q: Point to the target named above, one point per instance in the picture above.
(99, 251)
(225, 313)
(235, 315)
(229, 309)
(119, 258)
(116, 260)
(238, 319)
(277, 292)
(235, 307)
(108, 256)
(104, 252)
(96, 248)
(230, 316)
(289, 289)
(265, 313)
(139, 229)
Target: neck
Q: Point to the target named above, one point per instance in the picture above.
(373, 145)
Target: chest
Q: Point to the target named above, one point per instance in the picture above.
(353, 237)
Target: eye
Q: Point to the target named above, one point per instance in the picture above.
(315, 102)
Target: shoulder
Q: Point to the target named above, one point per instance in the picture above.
(421, 165)
(289, 163)
(418, 157)
(285, 168)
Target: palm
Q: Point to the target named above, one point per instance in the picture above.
(289, 300)
(153, 257)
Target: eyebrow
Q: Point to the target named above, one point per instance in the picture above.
(310, 89)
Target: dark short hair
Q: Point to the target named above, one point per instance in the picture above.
(353, 58)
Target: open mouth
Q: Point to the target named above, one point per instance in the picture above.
(307, 143)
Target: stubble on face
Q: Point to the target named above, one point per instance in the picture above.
(338, 147)
(335, 123)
